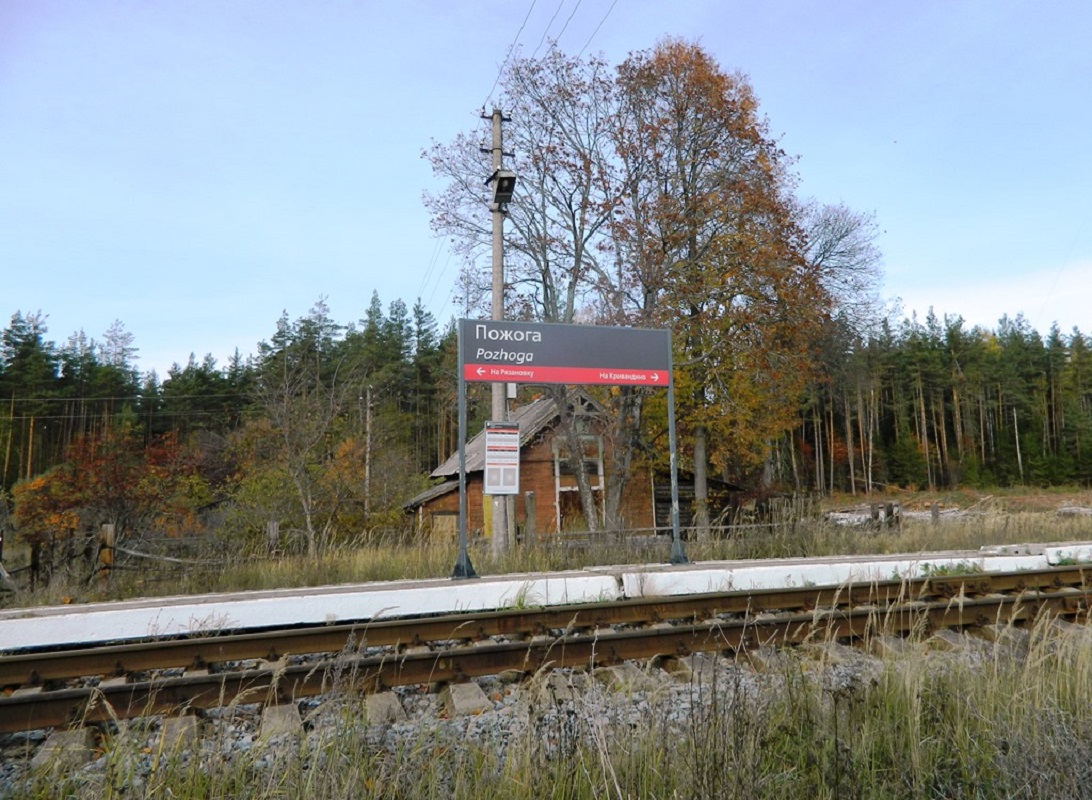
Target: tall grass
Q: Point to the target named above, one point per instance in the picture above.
(1005, 723)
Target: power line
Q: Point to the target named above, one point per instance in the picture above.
(550, 25)
(430, 268)
(1058, 275)
(440, 277)
(570, 19)
(597, 27)
(134, 397)
(158, 413)
(508, 55)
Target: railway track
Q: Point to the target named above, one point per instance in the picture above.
(87, 685)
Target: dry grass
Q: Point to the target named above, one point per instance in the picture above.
(1008, 517)
(988, 723)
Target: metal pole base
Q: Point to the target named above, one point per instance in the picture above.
(677, 554)
(463, 568)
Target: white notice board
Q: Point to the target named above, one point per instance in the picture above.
(501, 458)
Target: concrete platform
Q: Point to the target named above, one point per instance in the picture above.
(170, 616)
(22, 629)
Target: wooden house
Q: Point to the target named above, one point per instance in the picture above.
(544, 471)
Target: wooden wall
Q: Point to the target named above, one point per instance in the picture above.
(537, 475)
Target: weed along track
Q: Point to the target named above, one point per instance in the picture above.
(85, 686)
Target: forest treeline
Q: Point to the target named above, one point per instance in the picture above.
(326, 430)
(938, 404)
(329, 428)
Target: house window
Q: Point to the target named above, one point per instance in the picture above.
(592, 462)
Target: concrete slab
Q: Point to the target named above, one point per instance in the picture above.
(947, 640)
(65, 750)
(623, 677)
(694, 668)
(178, 733)
(794, 573)
(1007, 636)
(832, 653)
(1069, 554)
(55, 625)
(94, 622)
(561, 688)
(385, 707)
(1013, 549)
(1068, 628)
(280, 721)
(465, 699)
(768, 659)
(887, 646)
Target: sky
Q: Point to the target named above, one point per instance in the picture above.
(196, 168)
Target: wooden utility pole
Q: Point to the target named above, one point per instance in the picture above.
(1019, 459)
(30, 450)
(368, 453)
(11, 435)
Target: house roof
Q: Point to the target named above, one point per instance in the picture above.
(532, 419)
(439, 490)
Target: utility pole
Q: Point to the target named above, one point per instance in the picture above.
(368, 455)
(499, 409)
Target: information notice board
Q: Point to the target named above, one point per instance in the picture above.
(501, 458)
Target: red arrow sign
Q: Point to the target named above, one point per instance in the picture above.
(569, 375)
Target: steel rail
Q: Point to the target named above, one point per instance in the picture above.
(38, 668)
(281, 683)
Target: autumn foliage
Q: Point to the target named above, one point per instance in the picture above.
(112, 477)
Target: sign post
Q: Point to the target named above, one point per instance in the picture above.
(535, 352)
(463, 567)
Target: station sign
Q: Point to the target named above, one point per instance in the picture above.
(542, 352)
